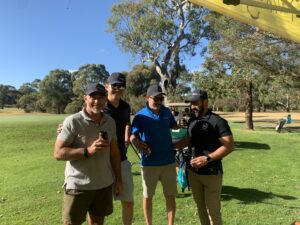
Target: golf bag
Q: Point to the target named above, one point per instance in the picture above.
(280, 125)
(183, 157)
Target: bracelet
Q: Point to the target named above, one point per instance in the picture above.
(86, 153)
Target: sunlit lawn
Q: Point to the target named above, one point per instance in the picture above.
(261, 180)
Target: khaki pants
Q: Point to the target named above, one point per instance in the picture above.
(206, 191)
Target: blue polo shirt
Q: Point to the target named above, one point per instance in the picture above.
(155, 130)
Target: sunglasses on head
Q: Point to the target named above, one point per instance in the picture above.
(118, 86)
(158, 99)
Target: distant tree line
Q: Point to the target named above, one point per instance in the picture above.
(61, 91)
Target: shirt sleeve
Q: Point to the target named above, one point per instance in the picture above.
(135, 126)
(67, 133)
(172, 118)
(172, 121)
(223, 128)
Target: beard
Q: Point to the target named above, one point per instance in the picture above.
(198, 112)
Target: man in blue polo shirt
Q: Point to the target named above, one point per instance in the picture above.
(151, 134)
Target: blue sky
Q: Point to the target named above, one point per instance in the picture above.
(38, 36)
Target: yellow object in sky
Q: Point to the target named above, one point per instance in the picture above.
(281, 17)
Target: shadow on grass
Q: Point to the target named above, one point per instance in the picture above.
(294, 129)
(183, 195)
(251, 145)
(135, 173)
(249, 195)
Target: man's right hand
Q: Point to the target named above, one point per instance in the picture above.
(143, 146)
(98, 145)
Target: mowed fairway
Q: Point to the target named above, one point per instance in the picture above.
(261, 179)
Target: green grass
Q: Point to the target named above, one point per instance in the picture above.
(261, 179)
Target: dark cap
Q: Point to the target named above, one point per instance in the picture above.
(117, 78)
(154, 90)
(197, 95)
(95, 87)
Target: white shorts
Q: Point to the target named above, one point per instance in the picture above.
(127, 182)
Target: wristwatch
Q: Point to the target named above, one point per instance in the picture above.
(85, 153)
(208, 159)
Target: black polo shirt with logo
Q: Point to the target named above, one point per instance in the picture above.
(121, 115)
(205, 133)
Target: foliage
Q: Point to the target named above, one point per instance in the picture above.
(159, 32)
(29, 96)
(28, 102)
(90, 73)
(56, 91)
(28, 88)
(247, 62)
(137, 82)
(139, 79)
(8, 95)
(136, 103)
(74, 106)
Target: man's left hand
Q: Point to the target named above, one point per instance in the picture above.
(199, 161)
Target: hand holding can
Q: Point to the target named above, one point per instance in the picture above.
(103, 135)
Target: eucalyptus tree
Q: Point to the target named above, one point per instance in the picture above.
(138, 81)
(90, 73)
(29, 96)
(247, 52)
(56, 91)
(159, 32)
(8, 95)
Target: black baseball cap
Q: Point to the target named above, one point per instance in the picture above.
(197, 95)
(117, 78)
(95, 87)
(154, 90)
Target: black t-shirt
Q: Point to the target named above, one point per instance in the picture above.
(205, 133)
(121, 115)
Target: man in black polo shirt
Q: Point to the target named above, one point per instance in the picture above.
(119, 110)
(210, 138)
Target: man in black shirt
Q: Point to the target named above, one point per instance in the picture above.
(210, 138)
(119, 110)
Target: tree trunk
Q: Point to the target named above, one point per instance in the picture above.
(249, 107)
(287, 103)
(164, 78)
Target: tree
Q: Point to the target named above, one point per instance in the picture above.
(56, 91)
(159, 32)
(29, 96)
(90, 73)
(28, 102)
(244, 51)
(139, 79)
(137, 82)
(8, 95)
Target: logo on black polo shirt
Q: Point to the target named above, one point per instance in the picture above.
(204, 126)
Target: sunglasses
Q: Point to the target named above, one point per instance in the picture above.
(118, 86)
(158, 99)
